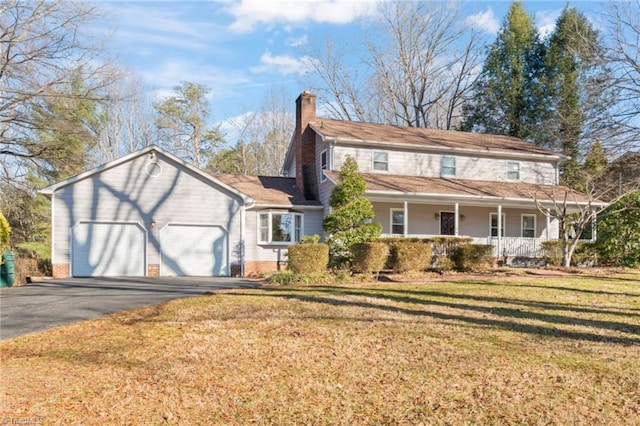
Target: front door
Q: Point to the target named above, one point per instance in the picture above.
(447, 223)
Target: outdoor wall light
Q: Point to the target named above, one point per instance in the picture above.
(436, 216)
(152, 223)
(462, 218)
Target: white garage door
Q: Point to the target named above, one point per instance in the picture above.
(108, 250)
(194, 250)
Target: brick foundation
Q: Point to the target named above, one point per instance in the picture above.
(153, 270)
(60, 270)
(255, 268)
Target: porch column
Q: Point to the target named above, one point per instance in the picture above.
(499, 247)
(457, 219)
(548, 215)
(405, 216)
(594, 229)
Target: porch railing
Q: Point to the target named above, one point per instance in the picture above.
(509, 246)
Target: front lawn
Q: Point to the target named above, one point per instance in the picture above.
(481, 350)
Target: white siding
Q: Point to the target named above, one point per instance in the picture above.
(312, 224)
(409, 163)
(422, 220)
(130, 193)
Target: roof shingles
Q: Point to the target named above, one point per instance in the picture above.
(268, 190)
(427, 138)
(464, 187)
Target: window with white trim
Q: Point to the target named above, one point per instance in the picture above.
(279, 228)
(529, 225)
(380, 161)
(494, 225)
(323, 165)
(513, 170)
(448, 167)
(397, 221)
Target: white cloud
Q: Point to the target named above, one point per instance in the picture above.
(485, 21)
(545, 21)
(282, 64)
(170, 73)
(250, 13)
(297, 41)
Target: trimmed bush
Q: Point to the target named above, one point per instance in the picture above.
(288, 277)
(472, 257)
(443, 264)
(308, 258)
(369, 257)
(410, 257)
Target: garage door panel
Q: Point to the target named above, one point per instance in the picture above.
(194, 250)
(108, 249)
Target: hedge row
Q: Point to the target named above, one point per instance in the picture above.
(398, 254)
(308, 258)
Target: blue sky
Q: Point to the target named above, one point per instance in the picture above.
(243, 49)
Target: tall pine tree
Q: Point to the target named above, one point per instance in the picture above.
(577, 95)
(508, 95)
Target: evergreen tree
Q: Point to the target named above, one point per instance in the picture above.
(350, 220)
(619, 232)
(508, 96)
(576, 93)
(596, 160)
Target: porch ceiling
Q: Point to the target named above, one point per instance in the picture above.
(430, 190)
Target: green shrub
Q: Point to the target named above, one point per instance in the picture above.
(585, 253)
(369, 257)
(443, 264)
(5, 233)
(410, 257)
(288, 277)
(472, 257)
(552, 252)
(308, 258)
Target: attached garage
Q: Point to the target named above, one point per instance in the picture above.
(194, 250)
(107, 249)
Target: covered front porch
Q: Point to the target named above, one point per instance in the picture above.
(522, 228)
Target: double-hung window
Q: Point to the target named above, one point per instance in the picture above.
(494, 225)
(448, 167)
(513, 170)
(529, 225)
(380, 161)
(324, 164)
(279, 228)
(397, 221)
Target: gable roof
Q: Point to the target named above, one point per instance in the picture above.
(473, 190)
(352, 132)
(49, 190)
(268, 190)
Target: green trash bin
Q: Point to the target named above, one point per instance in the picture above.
(8, 269)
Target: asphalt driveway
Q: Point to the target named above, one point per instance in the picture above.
(39, 306)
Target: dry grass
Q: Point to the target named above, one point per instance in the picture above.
(480, 350)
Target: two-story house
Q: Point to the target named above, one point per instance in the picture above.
(152, 214)
(425, 183)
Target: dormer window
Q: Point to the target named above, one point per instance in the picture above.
(513, 170)
(448, 167)
(380, 161)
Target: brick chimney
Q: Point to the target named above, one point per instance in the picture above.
(305, 146)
